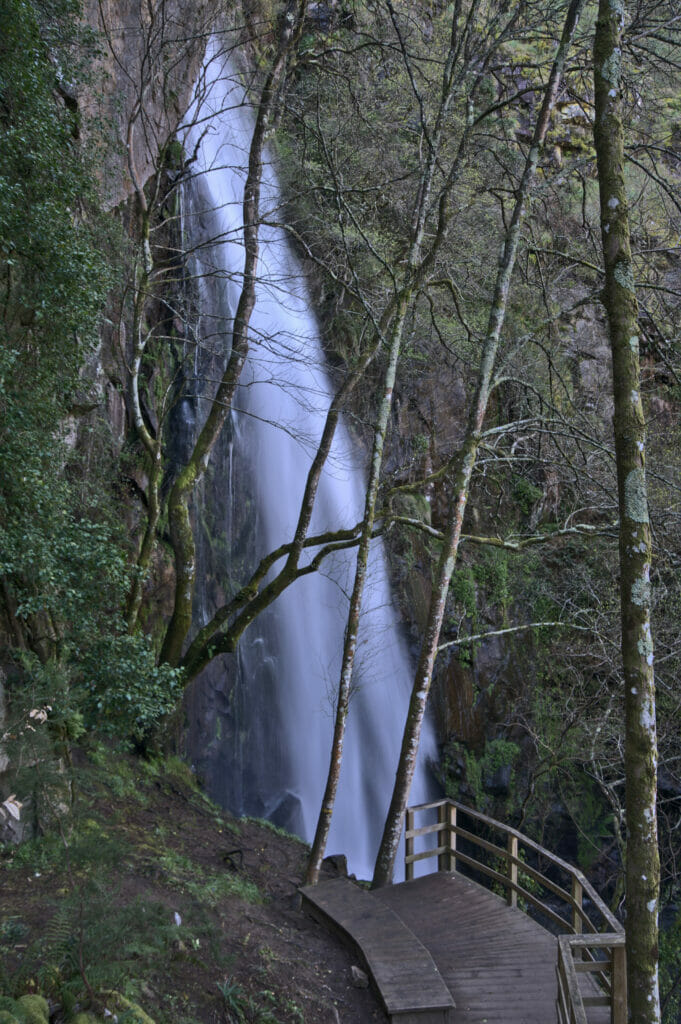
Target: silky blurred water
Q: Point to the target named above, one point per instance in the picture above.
(290, 657)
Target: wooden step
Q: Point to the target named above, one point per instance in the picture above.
(403, 971)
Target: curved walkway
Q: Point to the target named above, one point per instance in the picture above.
(401, 967)
(441, 949)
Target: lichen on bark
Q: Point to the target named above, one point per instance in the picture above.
(619, 298)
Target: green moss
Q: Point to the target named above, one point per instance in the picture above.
(462, 589)
(134, 1014)
(34, 1008)
(8, 1018)
(413, 506)
(212, 889)
(525, 494)
(276, 829)
(492, 574)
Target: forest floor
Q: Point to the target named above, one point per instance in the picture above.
(148, 889)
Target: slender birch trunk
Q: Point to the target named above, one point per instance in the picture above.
(385, 860)
(619, 299)
(415, 269)
(352, 627)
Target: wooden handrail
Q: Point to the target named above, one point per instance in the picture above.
(584, 942)
(569, 1006)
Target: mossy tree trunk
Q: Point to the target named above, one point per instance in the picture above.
(181, 534)
(619, 298)
(418, 264)
(385, 860)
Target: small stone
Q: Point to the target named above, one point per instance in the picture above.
(359, 978)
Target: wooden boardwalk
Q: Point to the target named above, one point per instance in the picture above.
(443, 949)
(498, 964)
(401, 967)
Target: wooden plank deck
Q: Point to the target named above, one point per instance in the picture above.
(498, 965)
(403, 971)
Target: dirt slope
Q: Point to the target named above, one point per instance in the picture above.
(148, 889)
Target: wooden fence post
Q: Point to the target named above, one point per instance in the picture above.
(409, 846)
(577, 896)
(512, 869)
(442, 834)
(618, 981)
(451, 832)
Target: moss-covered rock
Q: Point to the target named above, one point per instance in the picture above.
(115, 1002)
(413, 506)
(85, 1018)
(10, 1011)
(34, 1009)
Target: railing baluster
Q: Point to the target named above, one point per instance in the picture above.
(577, 896)
(618, 982)
(512, 869)
(409, 846)
(451, 817)
(605, 934)
(442, 858)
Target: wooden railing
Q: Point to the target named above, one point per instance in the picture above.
(590, 939)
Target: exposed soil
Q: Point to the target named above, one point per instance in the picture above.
(149, 889)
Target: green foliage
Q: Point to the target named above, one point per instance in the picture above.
(592, 816)
(235, 998)
(670, 971)
(96, 933)
(53, 278)
(276, 829)
(525, 494)
(62, 545)
(209, 887)
(462, 589)
(492, 573)
(500, 753)
(478, 770)
(242, 1008)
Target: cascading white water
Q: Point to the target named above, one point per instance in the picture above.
(290, 657)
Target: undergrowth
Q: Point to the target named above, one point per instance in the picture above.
(127, 906)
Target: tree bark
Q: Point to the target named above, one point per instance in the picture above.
(181, 535)
(619, 299)
(416, 269)
(385, 860)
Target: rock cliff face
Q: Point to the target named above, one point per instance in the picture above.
(142, 82)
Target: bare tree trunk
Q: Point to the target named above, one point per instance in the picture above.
(352, 627)
(181, 534)
(385, 860)
(144, 275)
(416, 269)
(619, 298)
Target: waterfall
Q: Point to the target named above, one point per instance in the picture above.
(274, 762)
